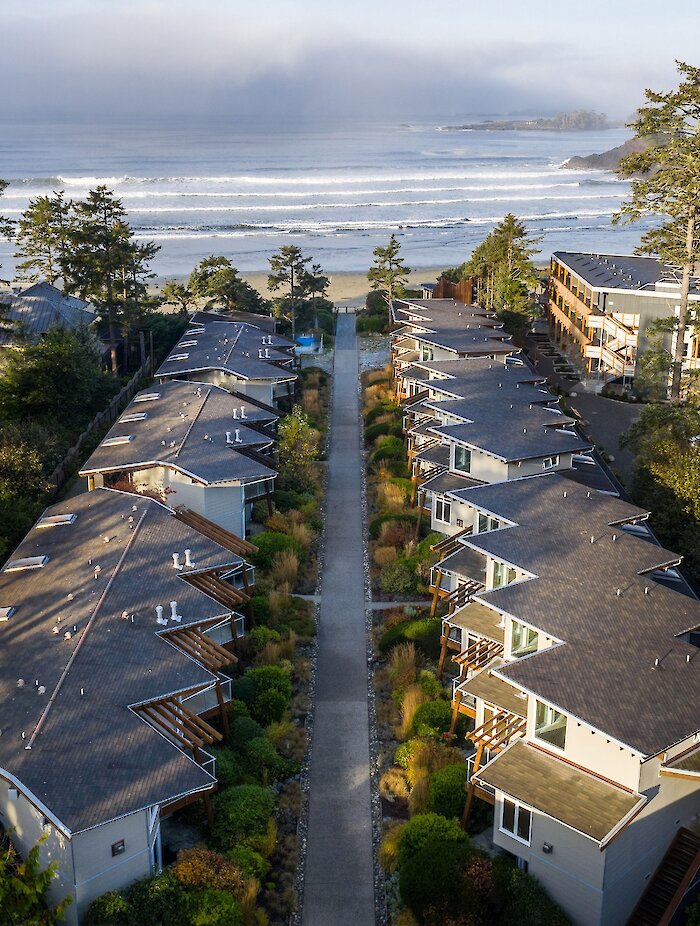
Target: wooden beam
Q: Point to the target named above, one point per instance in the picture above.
(443, 652)
(456, 701)
(472, 785)
(202, 723)
(222, 710)
(436, 593)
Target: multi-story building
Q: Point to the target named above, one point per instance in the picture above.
(600, 306)
(244, 359)
(578, 664)
(118, 619)
(193, 446)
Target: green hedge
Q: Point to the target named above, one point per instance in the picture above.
(390, 428)
(446, 790)
(375, 525)
(432, 719)
(390, 448)
(423, 631)
(270, 543)
(383, 409)
(241, 813)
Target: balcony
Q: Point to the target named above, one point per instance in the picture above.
(205, 701)
(485, 790)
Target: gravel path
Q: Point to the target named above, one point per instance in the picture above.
(339, 871)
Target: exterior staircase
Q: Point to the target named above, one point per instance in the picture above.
(676, 872)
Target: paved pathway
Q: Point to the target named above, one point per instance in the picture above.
(339, 875)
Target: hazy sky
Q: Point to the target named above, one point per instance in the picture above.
(307, 58)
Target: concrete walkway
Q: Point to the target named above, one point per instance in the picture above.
(339, 874)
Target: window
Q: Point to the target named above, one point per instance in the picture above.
(56, 520)
(516, 820)
(463, 459)
(147, 397)
(550, 725)
(26, 562)
(550, 462)
(503, 575)
(487, 523)
(443, 510)
(523, 640)
(115, 441)
(427, 353)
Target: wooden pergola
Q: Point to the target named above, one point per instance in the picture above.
(455, 599)
(493, 734)
(478, 656)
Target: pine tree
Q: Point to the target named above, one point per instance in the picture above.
(288, 268)
(42, 238)
(666, 182)
(388, 275)
(178, 294)
(216, 281)
(6, 225)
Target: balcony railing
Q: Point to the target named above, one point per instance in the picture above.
(204, 701)
(489, 789)
(208, 763)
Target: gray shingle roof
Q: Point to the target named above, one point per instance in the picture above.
(41, 307)
(93, 759)
(617, 271)
(185, 429)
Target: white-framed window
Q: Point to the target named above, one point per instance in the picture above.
(550, 462)
(503, 575)
(443, 509)
(427, 354)
(523, 640)
(550, 725)
(516, 820)
(463, 459)
(487, 523)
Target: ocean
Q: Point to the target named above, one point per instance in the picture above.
(336, 191)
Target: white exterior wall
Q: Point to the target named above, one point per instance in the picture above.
(224, 506)
(483, 466)
(534, 467)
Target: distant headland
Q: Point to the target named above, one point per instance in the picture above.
(581, 120)
(610, 160)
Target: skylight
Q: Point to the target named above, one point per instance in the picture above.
(119, 439)
(26, 562)
(147, 397)
(194, 331)
(188, 343)
(179, 356)
(55, 520)
(134, 416)
(6, 613)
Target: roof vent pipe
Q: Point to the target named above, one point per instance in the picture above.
(228, 437)
(188, 558)
(238, 438)
(267, 354)
(174, 616)
(243, 414)
(260, 354)
(176, 561)
(159, 615)
(235, 413)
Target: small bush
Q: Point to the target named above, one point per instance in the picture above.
(261, 609)
(432, 719)
(426, 832)
(393, 784)
(428, 757)
(388, 428)
(389, 847)
(389, 448)
(398, 578)
(303, 534)
(160, 899)
(259, 637)
(263, 760)
(278, 600)
(520, 900)
(413, 699)
(446, 790)
(251, 863)
(375, 525)
(405, 752)
(424, 631)
(201, 868)
(228, 771)
(271, 543)
(396, 533)
(240, 814)
(385, 555)
(111, 909)
(402, 664)
(438, 872)
(370, 325)
(243, 730)
(429, 682)
(379, 411)
(264, 842)
(285, 567)
(214, 908)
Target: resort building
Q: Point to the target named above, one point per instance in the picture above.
(241, 358)
(584, 707)
(600, 306)
(118, 620)
(30, 313)
(192, 446)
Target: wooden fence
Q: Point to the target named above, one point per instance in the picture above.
(106, 417)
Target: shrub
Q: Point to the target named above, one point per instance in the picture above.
(393, 784)
(241, 813)
(395, 533)
(214, 908)
(278, 600)
(271, 678)
(389, 847)
(228, 771)
(385, 555)
(393, 495)
(286, 500)
(429, 682)
(259, 637)
(270, 543)
(379, 411)
(261, 609)
(245, 729)
(427, 831)
(388, 428)
(277, 522)
(424, 631)
(111, 909)
(428, 757)
(438, 872)
(521, 901)
(289, 739)
(201, 868)
(375, 525)
(262, 759)
(270, 706)
(446, 791)
(160, 899)
(264, 842)
(405, 752)
(303, 534)
(389, 448)
(398, 578)
(251, 863)
(432, 719)
(370, 325)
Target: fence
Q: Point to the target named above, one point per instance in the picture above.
(106, 417)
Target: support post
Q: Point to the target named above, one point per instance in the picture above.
(414, 488)
(443, 653)
(457, 700)
(436, 593)
(207, 808)
(421, 509)
(472, 786)
(222, 709)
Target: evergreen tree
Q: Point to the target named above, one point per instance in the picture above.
(178, 294)
(316, 284)
(388, 275)
(216, 281)
(24, 888)
(666, 182)
(288, 268)
(6, 225)
(42, 238)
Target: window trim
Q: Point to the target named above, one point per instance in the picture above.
(560, 749)
(555, 461)
(458, 468)
(516, 814)
(444, 503)
(529, 629)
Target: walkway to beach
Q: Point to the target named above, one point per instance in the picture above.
(339, 875)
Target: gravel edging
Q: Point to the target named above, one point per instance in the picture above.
(380, 905)
(303, 823)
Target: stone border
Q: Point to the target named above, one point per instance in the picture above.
(303, 822)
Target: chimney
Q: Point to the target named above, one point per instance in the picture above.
(243, 414)
(238, 436)
(174, 616)
(176, 561)
(188, 558)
